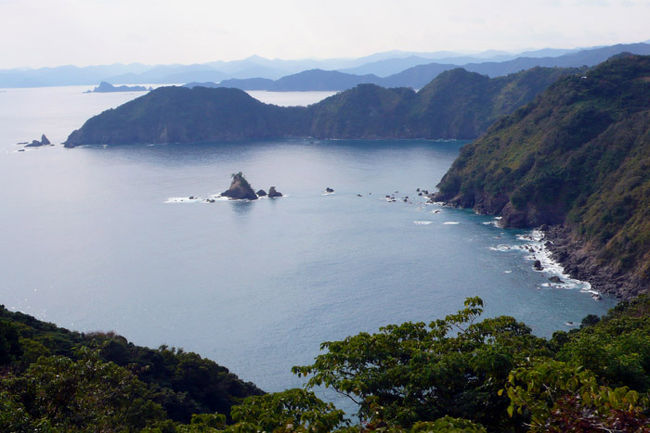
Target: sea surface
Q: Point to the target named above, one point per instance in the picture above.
(105, 239)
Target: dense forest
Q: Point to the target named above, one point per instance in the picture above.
(456, 104)
(457, 374)
(577, 157)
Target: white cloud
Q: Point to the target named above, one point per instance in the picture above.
(46, 32)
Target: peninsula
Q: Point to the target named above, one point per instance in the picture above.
(456, 104)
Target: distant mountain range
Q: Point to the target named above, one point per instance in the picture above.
(418, 76)
(457, 104)
(386, 66)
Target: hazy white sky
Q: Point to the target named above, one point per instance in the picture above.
(56, 32)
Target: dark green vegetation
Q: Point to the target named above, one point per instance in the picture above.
(456, 374)
(579, 155)
(67, 380)
(457, 104)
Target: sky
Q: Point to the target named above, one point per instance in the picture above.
(37, 33)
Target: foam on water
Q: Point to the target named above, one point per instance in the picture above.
(535, 249)
(183, 200)
(451, 223)
(423, 223)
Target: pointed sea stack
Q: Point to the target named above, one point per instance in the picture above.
(240, 189)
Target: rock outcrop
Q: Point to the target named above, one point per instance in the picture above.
(274, 193)
(240, 189)
(35, 143)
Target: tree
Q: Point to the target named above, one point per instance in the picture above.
(414, 372)
(79, 396)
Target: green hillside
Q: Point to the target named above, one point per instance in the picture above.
(457, 104)
(578, 156)
(165, 382)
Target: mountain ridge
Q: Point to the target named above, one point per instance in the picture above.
(183, 115)
(575, 161)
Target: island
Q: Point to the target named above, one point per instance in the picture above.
(105, 87)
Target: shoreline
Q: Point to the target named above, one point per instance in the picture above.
(580, 261)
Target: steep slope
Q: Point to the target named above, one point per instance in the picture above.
(579, 157)
(457, 104)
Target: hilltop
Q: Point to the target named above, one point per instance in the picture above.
(457, 104)
(576, 161)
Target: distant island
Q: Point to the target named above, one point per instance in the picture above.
(576, 162)
(456, 104)
(105, 87)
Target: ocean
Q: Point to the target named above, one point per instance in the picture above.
(107, 239)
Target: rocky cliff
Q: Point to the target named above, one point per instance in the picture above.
(576, 159)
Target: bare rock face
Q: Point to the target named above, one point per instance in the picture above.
(240, 189)
(274, 193)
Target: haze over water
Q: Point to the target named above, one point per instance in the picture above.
(89, 241)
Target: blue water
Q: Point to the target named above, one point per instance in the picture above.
(89, 242)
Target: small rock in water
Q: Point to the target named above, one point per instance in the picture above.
(261, 193)
(329, 190)
(359, 195)
(556, 279)
(538, 265)
(274, 193)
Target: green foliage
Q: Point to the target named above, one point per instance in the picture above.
(579, 155)
(459, 374)
(76, 396)
(293, 410)
(413, 372)
(560, 398)
(182, 383)
(447, 424)
(10, 349)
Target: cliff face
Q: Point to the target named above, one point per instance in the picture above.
(577, 157)
(457, 104)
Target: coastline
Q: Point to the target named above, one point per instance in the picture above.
(580, 261)
(577, 258)
(537, 247)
